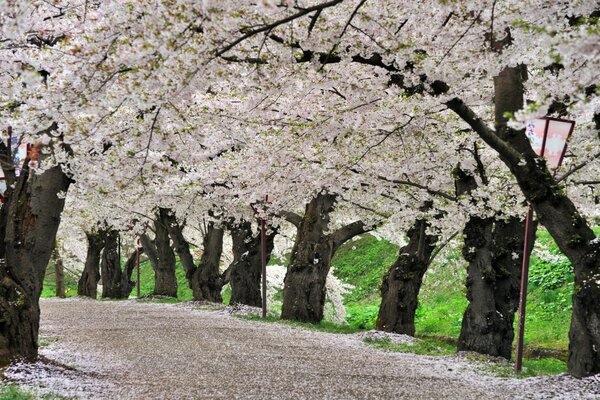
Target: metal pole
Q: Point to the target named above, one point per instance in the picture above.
(137, 263)
(523, 297)
(263, 257)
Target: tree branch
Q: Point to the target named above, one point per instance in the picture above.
(268, 27)
(345, 233)
(291, 217)
(486, 133)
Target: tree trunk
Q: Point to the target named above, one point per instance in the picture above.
(206, 281)
(165, 280)
(494, 250)
(304, 283)
(182, 247)
(402, 283)
(59, 274)
(30, 218)
(246, 268)
(115, 282)
(559, 215)
(88, 283)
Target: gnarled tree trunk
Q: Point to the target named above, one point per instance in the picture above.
(162, 257)
(29, 220)
(246, 268)
(304, 284)
(116, 283)
(402, 283)
(494, 250)
(88, 283)
(206, 281)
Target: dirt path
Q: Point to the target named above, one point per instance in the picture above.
(128, 350)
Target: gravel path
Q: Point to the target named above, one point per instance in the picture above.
(129, 350)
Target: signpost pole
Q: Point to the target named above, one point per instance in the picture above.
(263, 256)
(523, 297)
(561, 132)
(137, 263)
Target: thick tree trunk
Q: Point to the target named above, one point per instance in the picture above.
(30, 217)
(182, 247)
(494, 250)
(206, 281)
(246, 268)
(59, 274)
(304, 284)
(402, 283)
(165, 280)
(559, 215)
(88, 283)
(116, 283)
(304, 287)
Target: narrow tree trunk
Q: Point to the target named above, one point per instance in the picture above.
(88, 283)
(165, 280)
(59, 274)
(206, 281)
(30, 217)
(246, 268)
(402, 283)
(304, 283)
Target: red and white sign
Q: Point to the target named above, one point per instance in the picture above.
(548, 137)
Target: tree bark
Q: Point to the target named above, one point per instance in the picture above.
(206, 281)
(59, 274)
(30, 219)
(163, 260)
(116, 283)
(246, 268)
(402, 283)
(559, 215)
(88, 283)
(304, 284)
(494, 250)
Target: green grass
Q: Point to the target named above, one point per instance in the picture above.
(323, 326)
(13, 392)
(49, 289)
(531, 367)
(362, 263)
(184, 293)
(429, 347)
